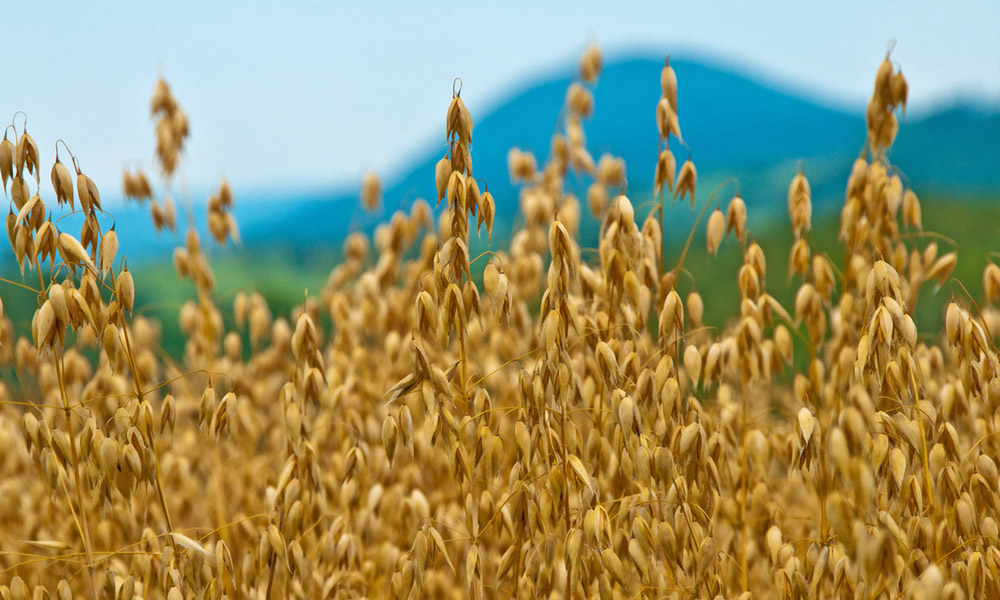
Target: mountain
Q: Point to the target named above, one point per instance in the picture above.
(734, 125)
(726, 119)
(955, 149)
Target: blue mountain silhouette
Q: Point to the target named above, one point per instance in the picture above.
(734, 126)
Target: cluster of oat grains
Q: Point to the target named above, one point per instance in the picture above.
(574, 431)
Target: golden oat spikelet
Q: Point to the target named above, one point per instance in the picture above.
(991, 282)
(19, 192)
(686, 181)
(736, 217)
(459, 120)
(590, 63)
(162, 100)
(7, 150)
(666, 120)
(107, 251)
(912, 215)
(668, 84)
(72, 251)
(62, 183)
(666, 171)
(371, 191)
(900, 90)
(86, 190)
(486, 213)
(610, 170)
(125, 289)
(580, 100)
(442, 174)
(26, 155)
(800, 204)
(715, 230)
(521, 165)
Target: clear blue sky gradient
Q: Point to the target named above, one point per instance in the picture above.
(308, 94)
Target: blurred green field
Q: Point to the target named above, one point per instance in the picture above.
(970, 225)
(284, 278)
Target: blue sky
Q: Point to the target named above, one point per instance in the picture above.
(309, 94)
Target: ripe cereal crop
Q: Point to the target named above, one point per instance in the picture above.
(538, 420)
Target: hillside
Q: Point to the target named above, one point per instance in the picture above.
(735, 126)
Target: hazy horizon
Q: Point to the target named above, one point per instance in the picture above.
(349, 91)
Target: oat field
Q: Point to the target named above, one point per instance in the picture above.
(537, 420)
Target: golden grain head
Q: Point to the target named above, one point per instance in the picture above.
(371, 191)
(591, 63)
(715, 230)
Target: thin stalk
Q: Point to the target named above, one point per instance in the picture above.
(566, 470)
(923, 457)
(663, 235)
(156, 467)
(20, 285)
(824, 521)
(75, 458)
(517, 560)
(743, 486)
(41, 283)
(272, 561)
(461, 362)
(694, 228)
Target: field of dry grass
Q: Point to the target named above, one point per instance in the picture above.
(537, 420)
